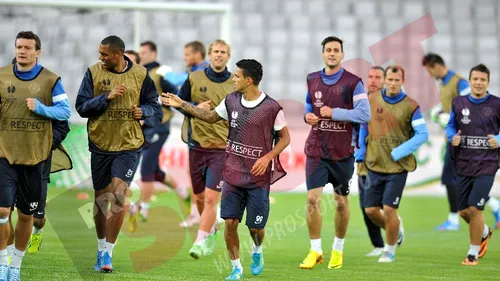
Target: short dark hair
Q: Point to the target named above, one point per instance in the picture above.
(378, 67)
(197, 46)
(150, 44)
(114, 42)
(333, 39)
(481, 68)
(132, 52)
(251, 68)
(395, 69)
(32, 36)
(431, 59)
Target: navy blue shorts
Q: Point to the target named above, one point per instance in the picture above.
(205, 168)
(40, 210)
(473, 191)
(255, 200)
(107, 166)
(384, 189)
(449, 175)
(20, 184)
(321, 171)
(150, 165)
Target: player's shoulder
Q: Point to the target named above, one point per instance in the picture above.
(314, 75)
(7, 68)
(412, 102)
(351, 78)
(197, 74)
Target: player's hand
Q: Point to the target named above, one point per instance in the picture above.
(311, 119)
(326, 111)
(205, 105)
(456, 139)
(260, 166)
(118, 91)
(492, 141)
(136, 112)
(31, 103)
(170, 99)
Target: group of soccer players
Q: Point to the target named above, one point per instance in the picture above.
(235, 133)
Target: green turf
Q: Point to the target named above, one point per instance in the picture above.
(69, 246)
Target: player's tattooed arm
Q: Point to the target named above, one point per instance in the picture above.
(209, 116)
(206, 115)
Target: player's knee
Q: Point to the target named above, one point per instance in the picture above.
(341, 204)
(464, 213)
(4, 213)
(313, 199)
(389, 211)
(372, 211)
(254, 231)
(232, 225)
(211, 200)
(25, 218)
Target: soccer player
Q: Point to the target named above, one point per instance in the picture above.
(387, 143)
(133, 56)
(473, 130)
(156, 136)
(376, 76)
(207, 142)
(255, 119)
(31, 98)
(115, 95)
(452, 85)
(335, 102)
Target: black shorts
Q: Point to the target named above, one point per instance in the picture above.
(205, 168)
(107, 166)
(150, 165)
(473, 191)
(321, 171)
(22, 185)
(449, 175)
(384, 189)
(255, 200)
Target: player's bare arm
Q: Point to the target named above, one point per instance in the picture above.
(209, 116)
(260, 166)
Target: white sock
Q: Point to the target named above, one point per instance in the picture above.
(202, 235)
(390, 248)
(486, 231)
(17, 258)
(316, 245)
(237, 263)
(212, 230)
(132, 208)
(493, 204)
(473, 250)
(109, 248)
(36, 230)
(10, 249)
(3, 257)
(144, 205)
(256, 249)
(338, 244)
(101, 244)
(194, 211)
(182, 191)
(453, 218)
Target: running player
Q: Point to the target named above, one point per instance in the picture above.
(387, 144)
(207, 142)
(335, 102)
(376, 77)
(32, 97)
(452, 85)
(255, 120)
(115, 95)
(473, 130)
